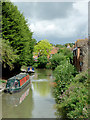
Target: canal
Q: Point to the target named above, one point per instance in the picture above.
(36, 101)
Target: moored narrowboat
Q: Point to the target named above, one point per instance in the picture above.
(18, 82)
(30, 69)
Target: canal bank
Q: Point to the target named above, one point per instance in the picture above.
(37, 102)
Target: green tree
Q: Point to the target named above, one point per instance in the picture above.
(42, 61)
(15, 30)
(65, 51)
(43, 48)
(8, 54)
(57, 59)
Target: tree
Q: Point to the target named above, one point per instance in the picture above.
(15, 30)
(43, 48)
(65, 51)
(57, 59)
(8, 55)
(42, 61)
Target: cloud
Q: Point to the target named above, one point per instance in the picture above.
(45, 10)
(63, 21)
(74, 25)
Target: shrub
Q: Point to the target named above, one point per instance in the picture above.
(57, 60)
(65, 51)
(63, 77)
(48, 65)
(42, 61)
(2, 81)
(74, 101)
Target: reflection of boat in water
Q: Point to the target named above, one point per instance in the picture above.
(18, 105)
(18, 98)
(18, 82)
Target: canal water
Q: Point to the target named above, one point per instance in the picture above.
(36, 101)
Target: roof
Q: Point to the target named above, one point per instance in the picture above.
(18, 77)
(54, 50)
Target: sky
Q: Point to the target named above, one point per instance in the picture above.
(59, 22)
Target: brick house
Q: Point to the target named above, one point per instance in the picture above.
(80, 54)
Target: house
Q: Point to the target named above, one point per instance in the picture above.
(68, 46)
(80, 54)
(53, 51)
(35, 57)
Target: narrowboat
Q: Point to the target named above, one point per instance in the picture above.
(30, 69)
(18, 82)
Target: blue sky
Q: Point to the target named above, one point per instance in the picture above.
(59, 22)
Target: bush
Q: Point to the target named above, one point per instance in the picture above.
(63, 77)
(35, 65)
(74, 101)
(2, 81)
(57, 60)
(65, 51)
(42, 61)
(48, 65)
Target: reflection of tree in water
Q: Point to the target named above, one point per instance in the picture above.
(42, 88)
(61, 113)
(43, 74)
(23, 110)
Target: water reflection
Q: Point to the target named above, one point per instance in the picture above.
(41, 82)
(18, 105)
(42, 74)
(41, 87)
(35, 103)
(18, 98)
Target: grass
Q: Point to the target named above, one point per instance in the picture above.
(2, 81)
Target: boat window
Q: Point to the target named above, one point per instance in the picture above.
(10, 84)
(16, 83)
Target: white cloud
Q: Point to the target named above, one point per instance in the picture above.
(57, 21)
(75, 24)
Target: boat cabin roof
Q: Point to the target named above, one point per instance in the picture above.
(18, 77)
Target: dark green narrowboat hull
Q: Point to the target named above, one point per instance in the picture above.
(8, 90)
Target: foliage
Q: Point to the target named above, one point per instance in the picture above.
(15, 30)
(71, 44)
(48, 65)
(59, 46)
(43, 47)
(74, 101)
(71, 92)
(42, 61)
(63, 76)
(35, 65)
(67, 52)
(2, 81)
(8, 54)
(57, 60)
(82, 77)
